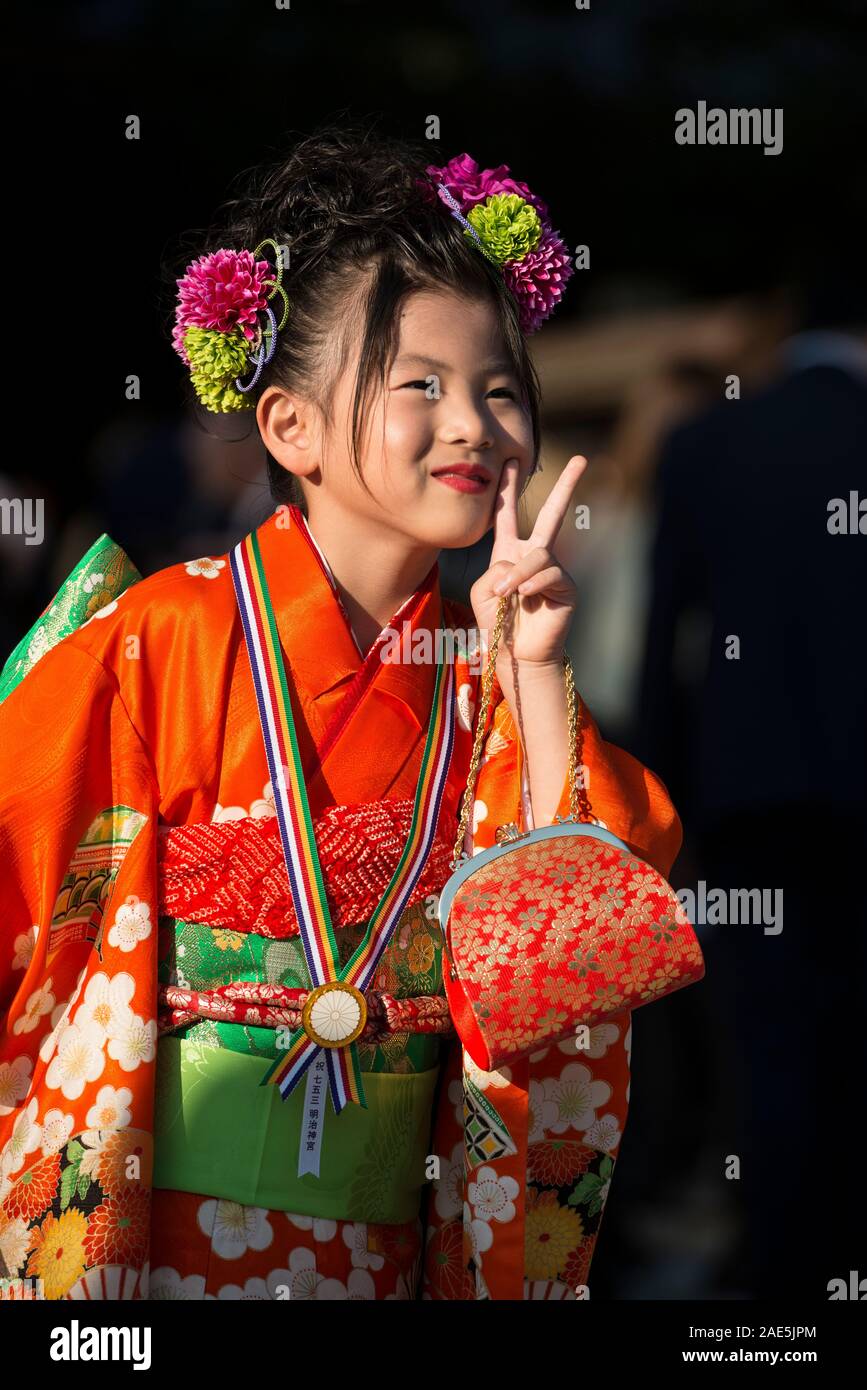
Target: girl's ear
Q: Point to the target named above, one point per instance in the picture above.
(289, 429)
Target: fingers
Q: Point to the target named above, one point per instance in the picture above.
(556, 504)
(487, 584)
(553, 581)
(506, 504)
(534, 562)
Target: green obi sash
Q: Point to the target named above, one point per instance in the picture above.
(218, 1132)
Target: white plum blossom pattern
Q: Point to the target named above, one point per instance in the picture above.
(15, 1241)
(264, 806)
(491, 1197)
(167, 1286)
(260, 809)
(26, 1138)
(297, 1283)
(481, 1237)
(355, 1238)
(56, 1129)
(131, 1039)
(134, 1043)
(572, 1099)
(603, 1134)
(23, 947)
(93, 1142)
(40, 1002)
(61, 1019)
(323, 1227)
(80, 1058)
(359, 1286)
(106, 1002)
(205, 566)
(602, 1036)
(234, 1228)
(254, 1291)
(402, 1291)
(304, 1283)
(132, 924)
(486, 1079)
(14, 1082)
(449, 1186)
(111, 1110)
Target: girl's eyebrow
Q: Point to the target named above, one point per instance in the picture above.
(493, 364)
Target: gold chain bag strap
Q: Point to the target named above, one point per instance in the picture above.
(554, 928)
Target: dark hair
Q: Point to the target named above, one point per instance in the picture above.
(364, 228)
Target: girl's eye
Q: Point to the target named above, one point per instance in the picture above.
(498, 390)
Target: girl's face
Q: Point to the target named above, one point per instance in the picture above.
(451, 401)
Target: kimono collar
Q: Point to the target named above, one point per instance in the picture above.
(323, 657)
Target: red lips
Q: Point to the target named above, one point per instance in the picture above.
(464, 470)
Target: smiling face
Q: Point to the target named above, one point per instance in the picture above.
(451, 399)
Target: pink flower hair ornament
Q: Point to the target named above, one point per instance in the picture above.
(224, 323)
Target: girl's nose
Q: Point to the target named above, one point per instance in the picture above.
(467, 422)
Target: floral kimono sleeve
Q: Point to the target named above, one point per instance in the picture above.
(78, 813)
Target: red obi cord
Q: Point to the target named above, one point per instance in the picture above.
(274, 1006)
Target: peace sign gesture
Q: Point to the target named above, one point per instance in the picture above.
(546, 593)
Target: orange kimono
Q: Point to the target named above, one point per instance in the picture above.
(149, 950)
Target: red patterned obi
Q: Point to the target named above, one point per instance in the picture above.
(233, 874)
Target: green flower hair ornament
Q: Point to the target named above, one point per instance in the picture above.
(216, 360)
(507, 227)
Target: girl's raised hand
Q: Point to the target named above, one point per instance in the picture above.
(546, 593)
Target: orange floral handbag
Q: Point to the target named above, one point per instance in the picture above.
(554, 928)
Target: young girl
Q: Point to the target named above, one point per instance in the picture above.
(169, 744)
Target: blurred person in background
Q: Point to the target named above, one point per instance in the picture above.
(763, 740)
(670, 1234)
(164, 487)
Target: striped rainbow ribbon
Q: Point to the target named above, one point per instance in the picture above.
(296, 829)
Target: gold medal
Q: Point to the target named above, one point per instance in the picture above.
(335, 1014)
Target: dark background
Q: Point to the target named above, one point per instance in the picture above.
(581, 102)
